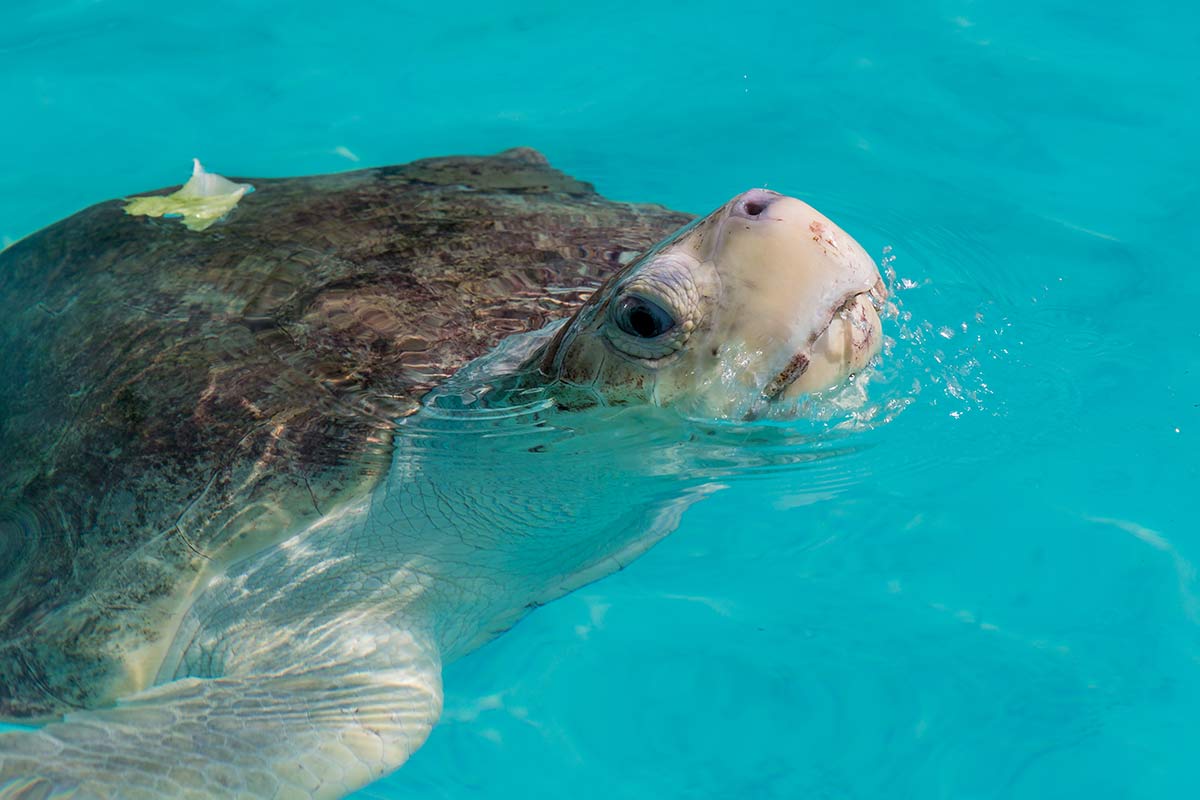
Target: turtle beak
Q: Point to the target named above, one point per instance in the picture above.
(805, 290)
(845, 345)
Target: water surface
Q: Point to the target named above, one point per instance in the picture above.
(991, 595)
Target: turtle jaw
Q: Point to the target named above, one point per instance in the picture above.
(844, 346)
(804, 293)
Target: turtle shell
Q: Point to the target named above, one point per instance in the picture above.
(173, 400)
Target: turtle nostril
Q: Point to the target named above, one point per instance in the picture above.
(754, 208)
(754, 203)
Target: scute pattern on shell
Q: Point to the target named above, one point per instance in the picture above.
(174, 399)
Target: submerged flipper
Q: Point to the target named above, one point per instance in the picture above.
(312, 733)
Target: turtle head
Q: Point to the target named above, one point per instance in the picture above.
(760, 302)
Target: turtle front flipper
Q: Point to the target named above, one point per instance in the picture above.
(313, 733)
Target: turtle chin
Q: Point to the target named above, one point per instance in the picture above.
(844, 347)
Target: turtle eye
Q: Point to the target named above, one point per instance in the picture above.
(642, 318)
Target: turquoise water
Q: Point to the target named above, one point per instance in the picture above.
(992, 595)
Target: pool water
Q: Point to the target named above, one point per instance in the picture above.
(992, 592)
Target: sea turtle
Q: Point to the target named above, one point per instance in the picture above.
(263, 479)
